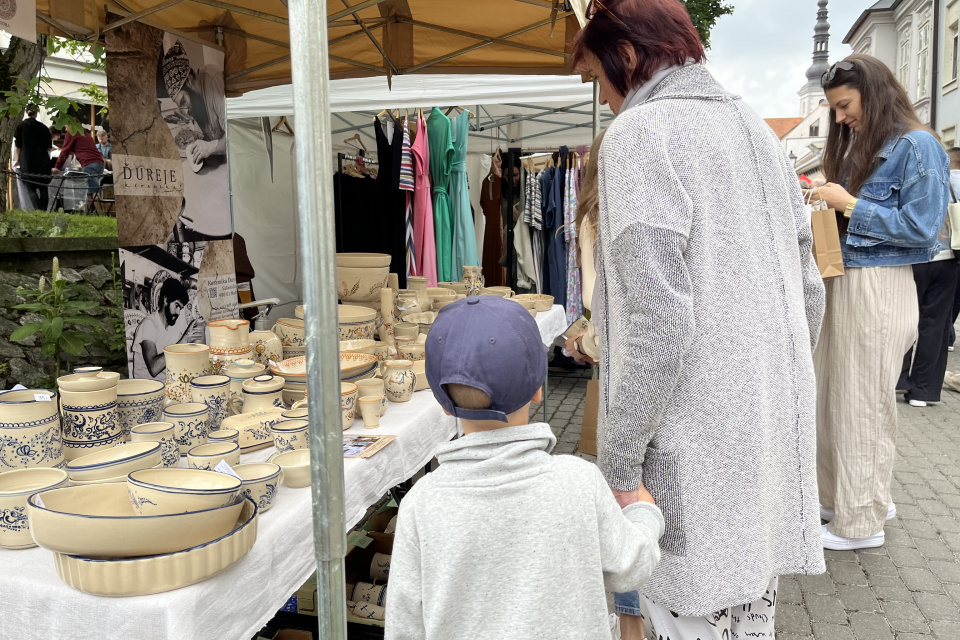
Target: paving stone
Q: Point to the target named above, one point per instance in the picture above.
(920, 580)
(565, 448)
(824, 631)
(944, 487)
(825, 609)
(906, 557)
(787, 636)
(875, 565)
(870, 626)
(952, 540)
(946, 523)
(839, 556)
(890, 588)
(938, 607)
(945, 630)
(912, 511)
(920, 529)
(934, 550)
(905, 616)
(919, 491)
(858, 598)
(945, 571)
(822, 584)
(954, 591)
(788, 591)
(846, 573)
(792, 618)
(895, 536)
(914, 636)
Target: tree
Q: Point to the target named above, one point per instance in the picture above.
(19, 67)
(705, 14)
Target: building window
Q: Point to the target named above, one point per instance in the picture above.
(815, 130)
(904, 63)
(923, 59)
(953, 48)
(949, 137)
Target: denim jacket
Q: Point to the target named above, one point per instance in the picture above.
(901, 207)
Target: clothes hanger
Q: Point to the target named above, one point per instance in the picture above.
(356, 137)
(458, 107)
(283, 123)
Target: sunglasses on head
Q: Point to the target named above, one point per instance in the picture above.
(829, 74)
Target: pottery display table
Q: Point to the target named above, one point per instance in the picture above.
(238, 602)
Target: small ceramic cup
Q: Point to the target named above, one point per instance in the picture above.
(411, 351)
(224, 435)
(406, 330)
(291, 434)
(260, 481)
(165, 434)
(370, 411)
(214, 392)
(366, 592)
(15, 488)
(373, 387)
(295, 414)
(190, 421)
(380, 567)
(206, 457)
(348, 403)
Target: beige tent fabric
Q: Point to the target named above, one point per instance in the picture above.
(418, 36)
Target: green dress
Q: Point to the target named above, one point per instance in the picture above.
(441, 156)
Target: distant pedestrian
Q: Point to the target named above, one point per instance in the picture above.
(88, 155)
(32, 146)
(954, 153)
(104, 146)
(878, 149)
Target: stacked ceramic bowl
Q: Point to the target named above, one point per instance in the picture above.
(294, 374)
(358, 366)
(361, 276)
(90, 417)
(356, 322)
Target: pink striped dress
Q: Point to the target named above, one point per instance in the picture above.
(425, 247)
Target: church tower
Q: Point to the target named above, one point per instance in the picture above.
(811, 94)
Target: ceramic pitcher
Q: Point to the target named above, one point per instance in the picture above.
(229, 341)
(259, 394)
(266, 346)
(399, 381)
(184, 363)
(473, 278)
(30, 434)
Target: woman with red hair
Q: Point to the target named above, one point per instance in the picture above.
(707, 306)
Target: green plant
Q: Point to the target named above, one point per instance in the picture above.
(63, 317)
(4, 369)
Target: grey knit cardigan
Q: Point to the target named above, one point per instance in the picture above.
(708, 304)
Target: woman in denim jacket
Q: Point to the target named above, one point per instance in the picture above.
(878, 149)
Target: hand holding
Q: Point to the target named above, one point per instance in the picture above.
(833, 194)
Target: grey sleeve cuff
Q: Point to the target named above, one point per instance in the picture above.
(647, 515)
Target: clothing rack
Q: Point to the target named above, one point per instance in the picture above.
(339, 208)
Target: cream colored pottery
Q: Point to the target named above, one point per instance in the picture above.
(526, 303)
(290, 367)
(409, 303)
(361, 284)
(190, 424)
(292, 336)
(370, 411)
(473, 280)
(441, 293)
(89, 370)
(90, 421)
(260, 482)
(356, 322)
(373, 387)
(363, 260)
(15, 488)
(299, 311)
(503, 292)
(420, 370)
(348, 403)
(542, 302)
(117, 461)
(163, 572)
(406, 330)
(438, 305)
(254, 428)
(138, 402)
(213, 391)
(297, 413)
(393, 281)
(265, 346)
(30, 433)
(388, 316)
(261, 393)
(160, 491)
(293, 396)
(98, 521)
(229, 334)
(208, 456)
(399, 381)
(383, 354)
(295, 465)
(184, 363)
(291, 434)
(417, 282)
(413, 351)
(239, 371)
(457, 287)
(163, 432)
(426, 317)
(224, 435)
(88, 381)
(353, 364)
(357, 346)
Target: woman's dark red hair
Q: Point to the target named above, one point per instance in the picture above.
(659, 31)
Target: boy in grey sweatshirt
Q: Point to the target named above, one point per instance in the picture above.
(503, 540)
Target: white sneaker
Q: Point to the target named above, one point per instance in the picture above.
(917, 403)
(826, 514)
(836, 543)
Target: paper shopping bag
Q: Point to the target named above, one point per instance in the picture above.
(588, 428)
(953, 215)
(826, 243)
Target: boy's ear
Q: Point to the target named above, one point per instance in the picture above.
(538, 396)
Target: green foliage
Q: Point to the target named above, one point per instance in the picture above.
(4, 369)
(705, 14)
(40, 224)
(62, 328)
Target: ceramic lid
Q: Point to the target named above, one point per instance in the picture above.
(244, 368)
(263, 384)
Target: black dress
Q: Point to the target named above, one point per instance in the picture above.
(391, 201)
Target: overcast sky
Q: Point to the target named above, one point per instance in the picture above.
(763, 50)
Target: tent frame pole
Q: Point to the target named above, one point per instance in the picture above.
(311, 79)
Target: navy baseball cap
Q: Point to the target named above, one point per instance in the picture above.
(491, 344)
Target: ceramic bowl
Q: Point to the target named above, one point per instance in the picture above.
(363, 260)
(165, 434)
(357, 346)
(88, 370)
(224, 435)
(160, 491)
(86, 382)
(139, 402)
(291, 434)
(118, 461)
(413, 351)
(190, 422)
(97, 520)
(208, 456)
(361, 284)
(542, 302)
(295, 465)
(526, 303)
(30, 429)
(353, 364)
(15, 488)
(356, 322)
(260, 482)
(295, 414)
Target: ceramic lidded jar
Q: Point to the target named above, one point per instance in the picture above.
(261, 393)
(184, 363)
(240, 370)
(30, 434)
(229, 341)
(399, 381)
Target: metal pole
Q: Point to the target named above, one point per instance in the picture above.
(596, 108)
(308, 37)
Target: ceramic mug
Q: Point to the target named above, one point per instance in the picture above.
(190, 424)
(373, 387)
(406, 330)
(348, 403)
(15, 488)
(162, 432)
(380, 567)
(138, 402)
(90, 421)
(291, 434)
(206, 457)
(399, 381)
(371, 593)
(30, 430)
(184, 363)
(370, 411)
(213, 391)
(412, 351)
(224, 435)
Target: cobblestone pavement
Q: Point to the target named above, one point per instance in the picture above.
(909, 589)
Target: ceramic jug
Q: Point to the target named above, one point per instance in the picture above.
(184, 363)
(229, 341)
(260, 393)
(399, 381)
(292, 336)
(266, 346)
(30, 434)
(473, 278)
(240, 370)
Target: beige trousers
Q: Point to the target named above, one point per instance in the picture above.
(870, 323)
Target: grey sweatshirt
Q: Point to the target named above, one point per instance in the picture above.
(504, 540)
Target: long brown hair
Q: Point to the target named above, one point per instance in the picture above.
(588, 203)
(852, 155)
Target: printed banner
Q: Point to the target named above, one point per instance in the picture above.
(143, 176)
(19, 18)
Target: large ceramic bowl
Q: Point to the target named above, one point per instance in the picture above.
(118, 461)
(542, 302)
(86, 382)
(260, 482)
(356, 322)
(357, 346)
(295, 465)
(139, 402)
(30, 429)
(361, 284)
(160, 491)
(208, 456)
(98, 520)
(15, 488)
(363, 260)
(354, 364)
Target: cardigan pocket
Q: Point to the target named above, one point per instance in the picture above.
(661, 477)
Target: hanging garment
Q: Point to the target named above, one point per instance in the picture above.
(574, 300)
(441, 155)
(425, 252)
(357, 211)
(478, 168)
(463, 251)
(533, 216)
(523, 245)
(554, 239)
(392, 202)
(546, 206)
(407, 184)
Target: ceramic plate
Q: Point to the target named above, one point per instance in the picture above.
(295, 366)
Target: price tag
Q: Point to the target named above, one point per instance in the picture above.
(359, 540)
(223, 467)
(39, 502)
(41, 397)
(272, 363)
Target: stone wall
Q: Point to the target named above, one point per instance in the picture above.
(86, 261)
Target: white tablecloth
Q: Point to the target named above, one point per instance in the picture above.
(552, 324)
(235, 604)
